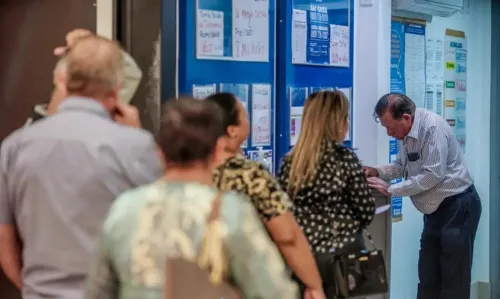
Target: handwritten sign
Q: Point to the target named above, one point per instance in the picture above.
(200, 92)
(339, 45)
(209, 33)
(261, 114)
(251, 30)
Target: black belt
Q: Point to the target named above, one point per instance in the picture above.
(468, 190)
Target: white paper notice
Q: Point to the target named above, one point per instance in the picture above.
(439, 60)
(200, 92)
(430, 59)
(339, 45)
(299, 36)
(430, 97)
(382, 209)
(415, 68)
(439, 99)
(434, 59)
(209, 33)
(261, 114)
(251, 30)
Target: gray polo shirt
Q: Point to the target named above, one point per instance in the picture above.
(58, 178)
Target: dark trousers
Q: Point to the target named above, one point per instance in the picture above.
(446, 247)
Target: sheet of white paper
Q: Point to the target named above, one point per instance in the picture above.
(430, 97)
(299, 36)
(202, 91)
(339, 45)
(430, 57)
(439, 59)
(251, 30)
(261, 114)
(439, 98)
(209, 33)
(382, 209)
(415, 68)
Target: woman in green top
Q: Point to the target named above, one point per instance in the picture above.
(168, 218)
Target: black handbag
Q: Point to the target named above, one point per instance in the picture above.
(361, 274)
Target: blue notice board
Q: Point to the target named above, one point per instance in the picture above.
(221, 44)
(299, 67)
(320, 32)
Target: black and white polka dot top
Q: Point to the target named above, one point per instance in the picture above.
(336, 204)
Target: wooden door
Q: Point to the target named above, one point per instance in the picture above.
(29, 31)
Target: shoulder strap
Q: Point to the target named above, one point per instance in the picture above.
(215, 213)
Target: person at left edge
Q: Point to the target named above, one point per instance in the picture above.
(59, 176)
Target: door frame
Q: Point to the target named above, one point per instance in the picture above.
(495, 152)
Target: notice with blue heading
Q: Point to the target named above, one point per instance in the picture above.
(318, 43)
(397, 201)
(397, 57)
(398, 85)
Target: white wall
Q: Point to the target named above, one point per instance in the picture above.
(105, 17)
(371, 80)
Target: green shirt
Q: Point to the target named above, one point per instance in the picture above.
(148, 224)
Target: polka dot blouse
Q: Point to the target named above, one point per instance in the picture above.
(336, 204)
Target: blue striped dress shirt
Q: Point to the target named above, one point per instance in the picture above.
(431, 162)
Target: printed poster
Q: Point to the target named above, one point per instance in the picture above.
(455, 83)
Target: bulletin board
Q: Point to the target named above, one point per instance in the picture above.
(295, 81)
(221, 48)
(320, 32)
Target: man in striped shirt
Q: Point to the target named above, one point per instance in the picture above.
(440, 186)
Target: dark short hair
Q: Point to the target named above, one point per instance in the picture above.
(397, 104)
(189, 130)
(228, 104)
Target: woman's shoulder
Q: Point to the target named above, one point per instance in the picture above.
(340, 152)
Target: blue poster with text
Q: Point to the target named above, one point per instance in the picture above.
(318, 42)
(397, 86)
(397, 57)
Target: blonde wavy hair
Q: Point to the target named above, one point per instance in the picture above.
(326, 116)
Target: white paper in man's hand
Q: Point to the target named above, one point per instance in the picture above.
(382, 209)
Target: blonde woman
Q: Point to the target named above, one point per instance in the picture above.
(325, 180)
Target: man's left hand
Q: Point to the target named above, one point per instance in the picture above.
(379, 185)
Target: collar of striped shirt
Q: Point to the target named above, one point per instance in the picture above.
(415, 126)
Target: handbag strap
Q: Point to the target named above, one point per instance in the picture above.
(215, 212)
